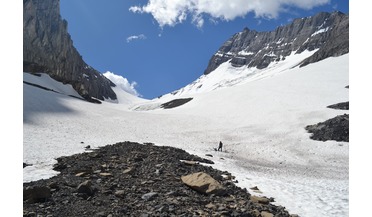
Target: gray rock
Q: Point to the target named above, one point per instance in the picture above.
(86, 188)
(336, 128)
(33, 194)
(47, 47)
(149, 196)
(101, 214)
(120, 193)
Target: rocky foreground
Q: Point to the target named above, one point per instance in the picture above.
(132, 179)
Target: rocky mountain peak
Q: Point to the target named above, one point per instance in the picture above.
(327, 32)
(48, 48)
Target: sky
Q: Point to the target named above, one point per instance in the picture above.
(161, 46)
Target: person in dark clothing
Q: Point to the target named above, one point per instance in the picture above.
(220, 146)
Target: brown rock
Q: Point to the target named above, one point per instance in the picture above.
(203, 183)
(128, 171)
(266, 214)
(80, 174)
(261, 200)
(210, 206)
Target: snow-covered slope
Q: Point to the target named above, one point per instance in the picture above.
(261, 122)
(227, 75)
(46, 81)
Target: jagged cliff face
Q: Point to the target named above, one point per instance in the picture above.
(47, 47)
(328, 32)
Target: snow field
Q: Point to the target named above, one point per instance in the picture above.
(260, 121)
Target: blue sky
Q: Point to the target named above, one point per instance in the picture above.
(161, 46)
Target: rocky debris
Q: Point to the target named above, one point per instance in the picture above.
(175, 103)
(341, 106)
(336, 128)
(48, 48)
(145, 180)
(328, 32)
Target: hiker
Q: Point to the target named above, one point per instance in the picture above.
(220, 146)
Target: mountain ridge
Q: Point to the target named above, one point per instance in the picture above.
(325, 31)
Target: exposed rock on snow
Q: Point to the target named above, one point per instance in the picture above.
(26, 164)
(175, 103)
(143, 192)
(336, 128)
(341, 106)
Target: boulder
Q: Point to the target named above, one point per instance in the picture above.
(261, 200)
(266, 214)
(203, 183)
(86, 188)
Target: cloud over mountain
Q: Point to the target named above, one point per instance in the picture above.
(170, 13)
(122, 82)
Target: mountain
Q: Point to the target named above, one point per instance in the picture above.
(48, 48)
(328, 32)
(250, 55)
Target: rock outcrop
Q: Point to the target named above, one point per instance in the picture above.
(336, 128)
(47, 47)
(175, 103)
(328, 32)
(340, 106)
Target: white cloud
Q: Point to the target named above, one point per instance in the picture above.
(172, 12)
(134, 37)
(122, 82)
